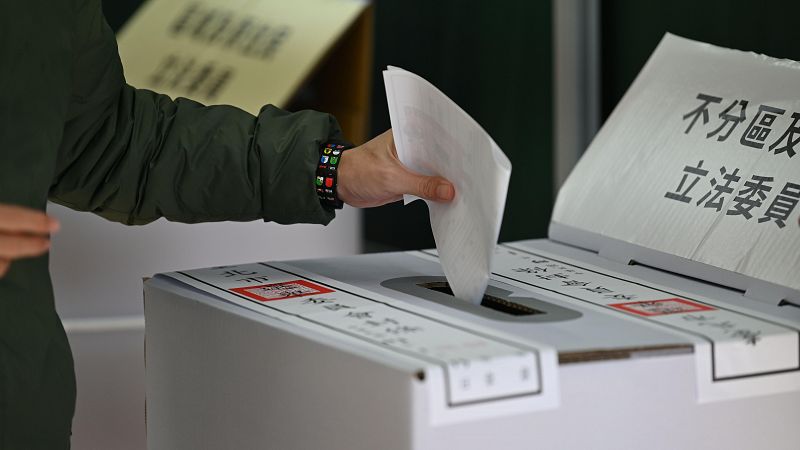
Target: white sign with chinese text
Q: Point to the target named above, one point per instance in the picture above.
(700, 159)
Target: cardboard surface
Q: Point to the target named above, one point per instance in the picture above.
(739, 353)
(245, 335)
(478, 364)
(698, 161)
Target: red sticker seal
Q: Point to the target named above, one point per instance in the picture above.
(281, 291)
(662, 307)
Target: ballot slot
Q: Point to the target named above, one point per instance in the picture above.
(489, 301)
(785, 302)
(497, 303)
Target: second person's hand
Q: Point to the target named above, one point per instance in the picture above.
(24, 233)
(372, 175)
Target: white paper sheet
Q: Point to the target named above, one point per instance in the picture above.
(434, 136)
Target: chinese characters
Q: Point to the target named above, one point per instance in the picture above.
(758, 130)
(721, 189)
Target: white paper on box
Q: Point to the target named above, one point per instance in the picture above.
(699, 160)
(435, 137)
(478, 366)
(738, 354)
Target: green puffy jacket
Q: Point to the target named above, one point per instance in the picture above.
(72, 131)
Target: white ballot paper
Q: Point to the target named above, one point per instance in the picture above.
(434, 136)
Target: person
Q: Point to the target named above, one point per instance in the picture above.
(72, 131)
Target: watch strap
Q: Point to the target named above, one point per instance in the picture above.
(328, 173)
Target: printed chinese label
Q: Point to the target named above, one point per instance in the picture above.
(661, 307)
(736, 353)
(742, 345)
(281, 291)
(478, 367)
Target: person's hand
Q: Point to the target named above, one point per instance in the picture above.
(24, 233)
(371, 175)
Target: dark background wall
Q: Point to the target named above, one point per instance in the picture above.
(631, 30)
(494, 60)
(118, 11)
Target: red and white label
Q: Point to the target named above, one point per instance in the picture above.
(281, 291)
(661, 307)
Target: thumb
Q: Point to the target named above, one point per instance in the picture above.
(436, 189)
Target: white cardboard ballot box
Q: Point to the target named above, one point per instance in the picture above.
(644, 321)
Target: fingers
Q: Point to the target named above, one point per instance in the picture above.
(24, 233)
(388, 137)
(16, 219)
(436, 189)
(372, 175)
(20, 246)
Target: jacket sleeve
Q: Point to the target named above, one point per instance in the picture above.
(133, 156)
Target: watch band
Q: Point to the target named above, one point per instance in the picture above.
(330, 155)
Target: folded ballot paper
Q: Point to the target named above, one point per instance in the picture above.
(434, 136)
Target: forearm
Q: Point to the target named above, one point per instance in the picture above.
(151, 157)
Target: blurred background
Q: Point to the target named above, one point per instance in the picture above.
(540, 76)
